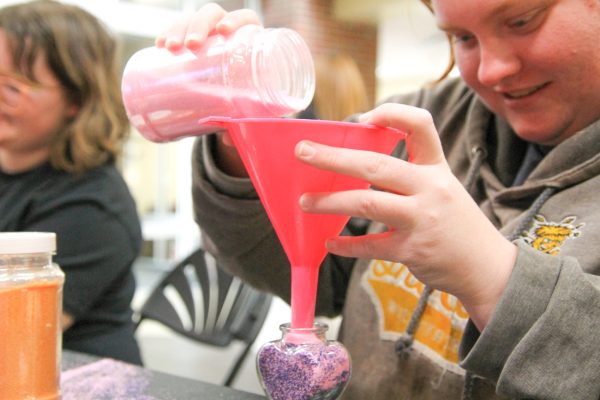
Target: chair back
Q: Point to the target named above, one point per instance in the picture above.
(202, 302)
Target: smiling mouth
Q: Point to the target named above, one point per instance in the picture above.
(519, 94)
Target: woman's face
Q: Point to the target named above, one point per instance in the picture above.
(535, 63)
(30, 113)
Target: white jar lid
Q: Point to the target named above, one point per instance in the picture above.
(27, 242)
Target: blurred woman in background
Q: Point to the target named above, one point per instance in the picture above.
(62, 126)
(340, 89)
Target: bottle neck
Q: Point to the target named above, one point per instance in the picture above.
(316, 334)
(284, 70)
(274, 65)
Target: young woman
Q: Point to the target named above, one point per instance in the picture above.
(488, 238)
(62, 125)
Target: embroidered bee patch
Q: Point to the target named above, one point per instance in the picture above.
(548, 237)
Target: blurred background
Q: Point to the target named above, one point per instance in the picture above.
(397, 49)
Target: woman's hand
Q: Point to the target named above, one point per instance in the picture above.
(190, 32)
(434, 227)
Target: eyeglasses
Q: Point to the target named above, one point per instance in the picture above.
(14, 89)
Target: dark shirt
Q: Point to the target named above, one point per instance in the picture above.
(98, 238)
(534, 154)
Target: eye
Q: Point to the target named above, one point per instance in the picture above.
(528, 21)
(461, 37)
(10, 93)
(11, 88)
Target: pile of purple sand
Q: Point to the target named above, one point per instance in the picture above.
(303, 372)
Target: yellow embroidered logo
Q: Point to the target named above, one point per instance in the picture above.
(548, 236)
(395, 293)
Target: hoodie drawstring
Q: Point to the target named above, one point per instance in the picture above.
(404, 343)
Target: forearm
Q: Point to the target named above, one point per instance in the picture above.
(235, 227)
(541, 340)
(226, 156)
(484, 296)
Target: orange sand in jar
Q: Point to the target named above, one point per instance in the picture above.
(30, 341)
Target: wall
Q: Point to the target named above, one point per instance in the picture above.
(411, 51)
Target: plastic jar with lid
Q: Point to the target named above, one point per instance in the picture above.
(254, 72)
(30, 323)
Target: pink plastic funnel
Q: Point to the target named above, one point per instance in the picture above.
(266, 146)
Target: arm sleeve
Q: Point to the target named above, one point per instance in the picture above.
(237, 231)
(542, 341)
(94, 250)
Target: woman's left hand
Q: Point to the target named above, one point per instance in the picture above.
(191, 31)
(434, 226)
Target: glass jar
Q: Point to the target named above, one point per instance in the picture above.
(303, 364)
(30, 316)
(253, 72)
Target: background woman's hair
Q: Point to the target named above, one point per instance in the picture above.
(82, 54)
(340, 88)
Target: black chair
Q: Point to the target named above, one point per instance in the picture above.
(200, 301)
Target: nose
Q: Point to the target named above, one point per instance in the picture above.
(498, 60)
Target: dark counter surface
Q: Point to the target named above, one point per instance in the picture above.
(86, 377)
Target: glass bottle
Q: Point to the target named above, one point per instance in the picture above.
(303, 364)
(30, 323)
(254, 72)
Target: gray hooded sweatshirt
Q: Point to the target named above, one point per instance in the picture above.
(412, 343)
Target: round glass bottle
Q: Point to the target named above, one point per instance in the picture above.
(303, 364)
(31, 308)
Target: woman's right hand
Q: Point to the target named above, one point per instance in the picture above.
(433, 225)
(190, 32)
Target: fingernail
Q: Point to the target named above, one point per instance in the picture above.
(173, 43)
(223, 27)
(306, 151)
(193, 41)
(305, 202)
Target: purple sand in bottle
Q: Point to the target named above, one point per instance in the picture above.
(305, 371)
